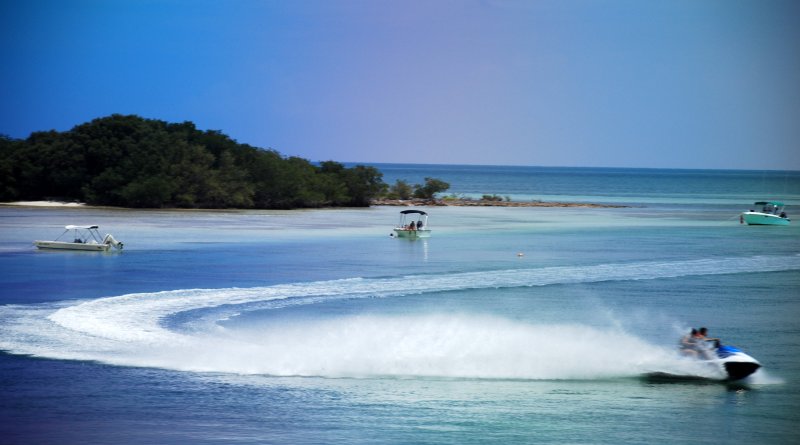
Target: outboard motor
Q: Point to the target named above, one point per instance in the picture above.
(110, 240)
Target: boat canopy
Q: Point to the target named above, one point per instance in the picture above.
(406, 212)
(775, 203)
(81, 227)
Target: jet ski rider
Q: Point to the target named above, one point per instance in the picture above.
(695, 344)
(702, 337)
(689, 344)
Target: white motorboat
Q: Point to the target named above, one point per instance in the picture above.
(771, 213)
(413, 224)
(82, 238)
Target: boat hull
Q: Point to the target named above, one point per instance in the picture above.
(412, 234)
(737, 370)
(736, 363)
(58, 245)
(764, 219)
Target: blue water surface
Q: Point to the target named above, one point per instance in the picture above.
(508, 325)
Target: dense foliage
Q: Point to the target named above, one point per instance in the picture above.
(431, 187)
(130, 161)
(403, 190)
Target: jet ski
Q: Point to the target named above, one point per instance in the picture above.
(736, 363)
(728, 362)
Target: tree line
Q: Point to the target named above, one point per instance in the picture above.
(130, 161)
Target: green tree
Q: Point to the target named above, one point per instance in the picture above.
(147, 192)
(363, 184)
(8, 178)
(126, 160)
(237, 188)
(400, 190)
(430, 189)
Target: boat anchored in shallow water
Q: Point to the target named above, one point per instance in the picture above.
(417, 226)
(85, 238)
(771, 214)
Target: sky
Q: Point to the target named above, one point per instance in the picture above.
(584, 83)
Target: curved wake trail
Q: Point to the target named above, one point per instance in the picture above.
(128, 329)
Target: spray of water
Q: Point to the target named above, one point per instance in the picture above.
(129, 330)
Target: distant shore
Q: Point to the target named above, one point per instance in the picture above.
(378, 202)
(487, 203)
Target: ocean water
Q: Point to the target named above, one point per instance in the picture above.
(508, 325)
(605, 185)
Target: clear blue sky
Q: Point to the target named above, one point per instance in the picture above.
(639, 83)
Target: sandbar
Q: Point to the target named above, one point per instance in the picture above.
(488, 203)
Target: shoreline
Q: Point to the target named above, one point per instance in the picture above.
(376, 202)
(488, 203)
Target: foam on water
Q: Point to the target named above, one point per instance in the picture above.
(130, 329)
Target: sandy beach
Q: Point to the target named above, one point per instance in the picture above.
(43, 204)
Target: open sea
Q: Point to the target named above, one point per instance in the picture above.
(508, 325)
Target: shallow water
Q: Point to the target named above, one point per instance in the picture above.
(317, 327)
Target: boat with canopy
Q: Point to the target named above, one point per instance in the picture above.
(413, 224)
(85, 238)
(769, 213)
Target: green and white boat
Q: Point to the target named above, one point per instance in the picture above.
(771, 213)
(413, 224)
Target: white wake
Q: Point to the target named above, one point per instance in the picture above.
(130, 329)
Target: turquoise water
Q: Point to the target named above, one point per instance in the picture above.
(508, 325)
(606, 185)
